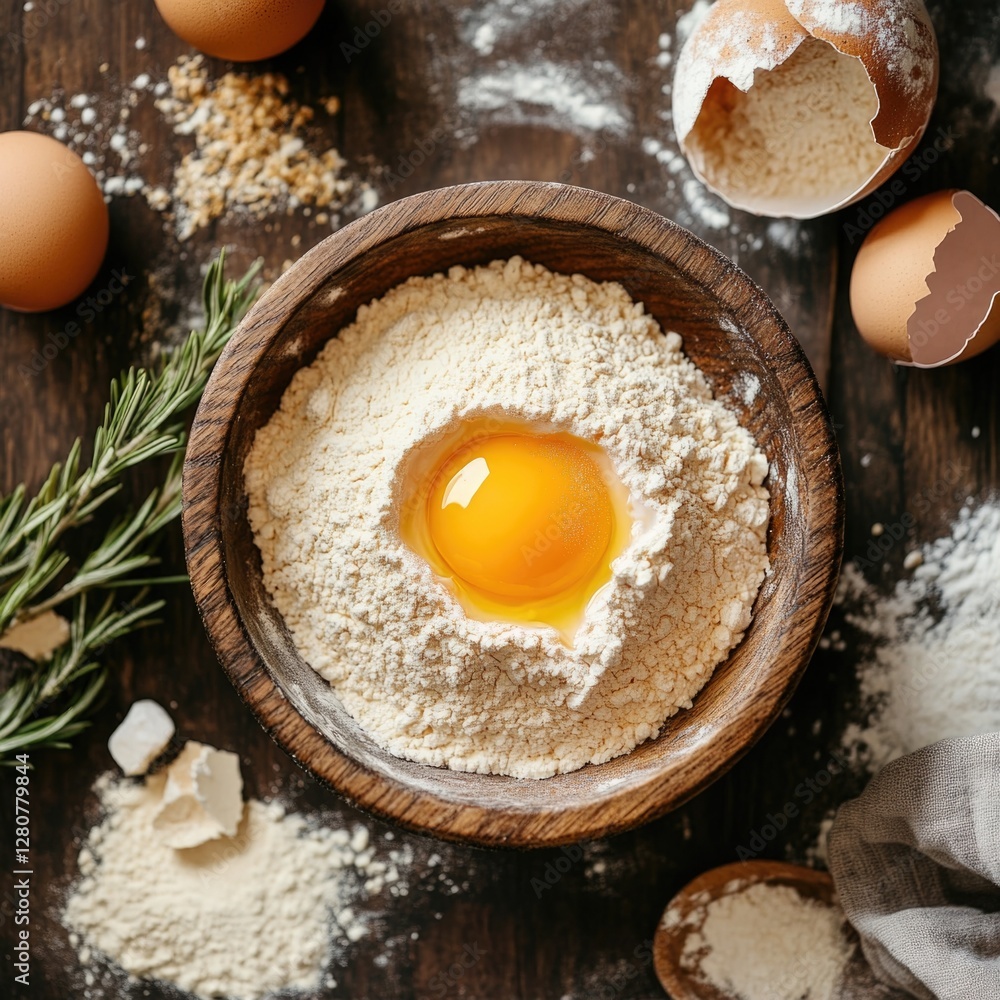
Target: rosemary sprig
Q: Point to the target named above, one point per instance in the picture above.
(144, 419)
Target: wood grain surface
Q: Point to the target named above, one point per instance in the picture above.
(549, 924)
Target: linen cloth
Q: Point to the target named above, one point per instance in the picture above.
(916, 863)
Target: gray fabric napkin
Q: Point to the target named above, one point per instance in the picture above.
(916, 862)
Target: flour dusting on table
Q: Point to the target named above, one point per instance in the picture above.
(930, 670)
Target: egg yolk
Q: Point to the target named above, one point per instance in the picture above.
(521, 524)
(520, 516)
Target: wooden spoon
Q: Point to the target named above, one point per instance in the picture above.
(690, 902)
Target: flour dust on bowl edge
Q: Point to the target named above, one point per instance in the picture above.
(732, 333)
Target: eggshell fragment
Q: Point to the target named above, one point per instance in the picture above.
(38, 637)
(241, 30)
(53, 223)
(202, 799)
(926, 282)
(886, 48)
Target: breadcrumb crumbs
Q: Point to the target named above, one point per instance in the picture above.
(250, 154)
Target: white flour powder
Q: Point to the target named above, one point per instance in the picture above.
(325, 480)
(542, 92)
(767, 942)
(238, 917)
(934, 644)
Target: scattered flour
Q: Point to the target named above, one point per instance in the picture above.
(767, 942)
(523, 66)
(326, 479)
(483, 25)
(239, 917)
(992, 86)
(931, 672)
(747, 387)
(690, 19)
(834, 16)
(543, 92)
(705, 206)
(786, 233)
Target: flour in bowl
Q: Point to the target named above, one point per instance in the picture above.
(327, 482)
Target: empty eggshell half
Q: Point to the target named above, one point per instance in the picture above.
(926, 282)
(796, 108)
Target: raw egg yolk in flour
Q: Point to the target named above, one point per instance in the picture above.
(524, 526)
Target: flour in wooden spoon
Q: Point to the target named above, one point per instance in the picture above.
(325, 484)
(767, 942)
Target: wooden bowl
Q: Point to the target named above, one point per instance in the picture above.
(731, 331)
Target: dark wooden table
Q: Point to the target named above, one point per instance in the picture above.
(905, 436)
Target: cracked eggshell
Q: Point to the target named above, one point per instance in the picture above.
(202, 797)
(926, 282)
(896, 44)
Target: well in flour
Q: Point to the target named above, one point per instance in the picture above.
(513, 340)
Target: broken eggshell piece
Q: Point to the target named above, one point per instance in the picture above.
(202, 798)
(740, 43)
(926, 282)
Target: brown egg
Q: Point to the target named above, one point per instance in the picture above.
(926, 282)
(53, 223)
(241, 30)
(800, 107)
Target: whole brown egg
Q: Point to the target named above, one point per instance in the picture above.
(53, 223)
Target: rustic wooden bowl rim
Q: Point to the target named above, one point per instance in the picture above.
(613, 809)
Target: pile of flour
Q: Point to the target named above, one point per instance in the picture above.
(930, 671)
(240, 917)
(326, 481)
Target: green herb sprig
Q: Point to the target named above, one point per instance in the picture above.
(143, 419)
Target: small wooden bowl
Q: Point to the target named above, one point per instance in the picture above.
(685, 915)
(731, 331)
